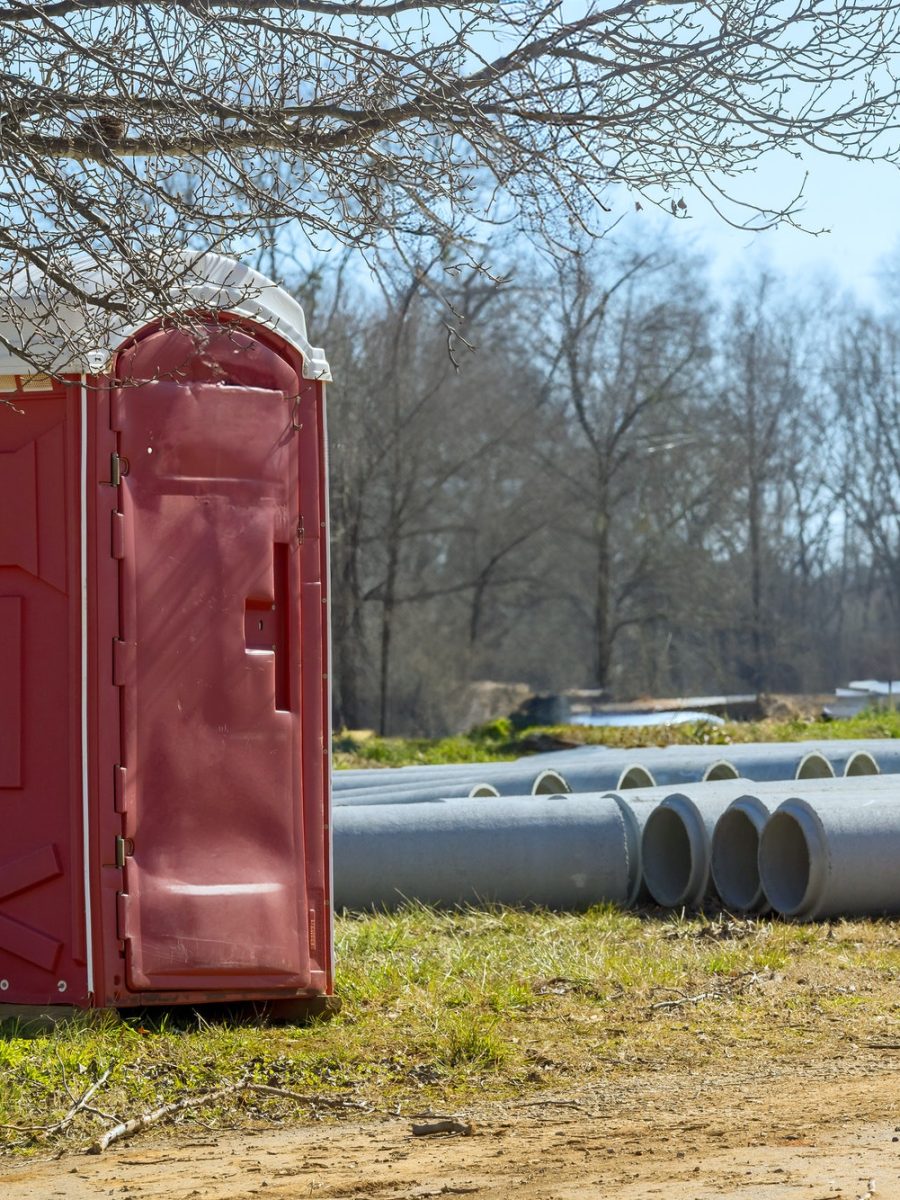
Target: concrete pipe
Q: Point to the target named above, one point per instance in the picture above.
(735, 853)
(606, 775)
(821, 859)
(776, 761)
(509, 780)
(735, 843)
(539, 783)
(565, 852)
(676, 765)
(413, 794)
(720, 770)
(735, 840)
(676, 846)
(860, 762)
(884, 753)
(636, 811)
(382, 776)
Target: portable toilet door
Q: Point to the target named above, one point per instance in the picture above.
(204, 697)
(43, 933)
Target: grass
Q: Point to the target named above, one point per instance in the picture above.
(499, 741)
(441, 1009)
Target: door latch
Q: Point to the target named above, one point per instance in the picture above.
(124, 849)
(118, 467)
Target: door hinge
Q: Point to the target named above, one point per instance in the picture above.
(123, 654)
(119, 800)
(117, 541)
(123, 905)
(301, 531)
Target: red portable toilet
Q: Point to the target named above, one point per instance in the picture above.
(164, 688)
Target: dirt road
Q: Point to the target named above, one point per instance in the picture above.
(829, 1132)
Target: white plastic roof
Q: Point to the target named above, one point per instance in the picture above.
(210, 281)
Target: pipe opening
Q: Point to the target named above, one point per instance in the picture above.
(667, 856)
(721, 770)
(483, 789)
(815, 766)
(861, 763)
(735, 851)
(549, 783)
(636, 777)
(784, 862)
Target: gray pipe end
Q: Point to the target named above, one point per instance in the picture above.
(482, 789)
(814, 766)
(549, 783)
(675, 860)
(636, 776)
(735, 854)
(719, 770)
(861, 763)
(792, 860)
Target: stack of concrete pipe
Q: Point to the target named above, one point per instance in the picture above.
(598, 768)
(806, 848)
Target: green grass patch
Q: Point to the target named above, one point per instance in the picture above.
(498, 741)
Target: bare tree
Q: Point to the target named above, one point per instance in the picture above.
(623, 369)
(128, 130)
(865, 377)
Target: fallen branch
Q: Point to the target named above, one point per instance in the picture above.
(126, 1129)
(435, 1127)
(129, 1128)
(78, 1105)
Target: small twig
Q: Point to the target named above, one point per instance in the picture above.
(745, 979)
(98, 1112)
(434, 1127)
(550, 1103)
(80, 1104)
(687, 1000)
(62, 1067)
(325, 1101)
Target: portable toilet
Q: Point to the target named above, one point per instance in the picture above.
(164, 686)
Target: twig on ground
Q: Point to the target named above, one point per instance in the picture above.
(324, 1101)
(550, 1102)
(737, 983)
(435, 1127)
(687, 1000)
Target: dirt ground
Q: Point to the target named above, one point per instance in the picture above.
(825, 1131)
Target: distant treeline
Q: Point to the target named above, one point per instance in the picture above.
(601, 472)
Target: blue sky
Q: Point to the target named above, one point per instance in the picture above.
(858, 203)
